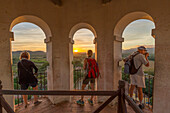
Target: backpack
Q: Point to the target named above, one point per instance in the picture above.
(93, 69)
(129, 67)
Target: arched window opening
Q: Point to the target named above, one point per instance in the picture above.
(29, 37)
(139, 33)
(83, 41)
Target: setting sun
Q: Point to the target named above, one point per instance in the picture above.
(76, 51)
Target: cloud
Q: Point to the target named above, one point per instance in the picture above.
(138, 33)
(27, 29)
(28, 36)
(84, 33)
(83, 39)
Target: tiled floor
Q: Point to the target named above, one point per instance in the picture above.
(68, 107)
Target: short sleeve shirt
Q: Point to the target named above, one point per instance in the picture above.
(138, 61)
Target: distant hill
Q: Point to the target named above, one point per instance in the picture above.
(42, 53)
(129, 51)
(38, 53)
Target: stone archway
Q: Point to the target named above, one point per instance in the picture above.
(46, 29)
(35, 20)
(73, 30)
(127, 19)
(79, 26)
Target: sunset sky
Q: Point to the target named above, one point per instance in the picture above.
(30, 37)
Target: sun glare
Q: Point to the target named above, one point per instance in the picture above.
(75, 51)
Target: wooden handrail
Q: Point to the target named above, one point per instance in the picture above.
(121, 98)
(6, 105)
(133, 104)
(56, 92)
(120, 93)
(107, 102)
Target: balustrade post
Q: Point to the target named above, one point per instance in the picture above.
(0, 96)
(121, 98)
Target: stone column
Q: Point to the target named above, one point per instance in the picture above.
(117, 57)
(5, 62)
(50, 67)
(108, 55)
(95, 42)
(100, 53)
(71, 63)
(161, 95)
(62, 69)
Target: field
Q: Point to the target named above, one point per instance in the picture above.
(39, 58)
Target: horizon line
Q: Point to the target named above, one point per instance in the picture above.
(73, 52)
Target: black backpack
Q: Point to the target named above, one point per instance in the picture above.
(129, 67)
(132, 68)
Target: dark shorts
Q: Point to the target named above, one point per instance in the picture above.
(25, 86)
(87, 80)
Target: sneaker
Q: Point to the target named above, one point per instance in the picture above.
(37, 102)
(90, 101)
(141, 106)
(80, 102)
(27, 104)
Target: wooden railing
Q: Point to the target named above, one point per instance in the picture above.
(120, 93)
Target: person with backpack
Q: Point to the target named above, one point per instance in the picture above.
(133, 66)
(26, 76)
(91, 73)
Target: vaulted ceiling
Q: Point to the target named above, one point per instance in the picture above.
(60, 3)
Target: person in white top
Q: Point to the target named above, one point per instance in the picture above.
(138, 79)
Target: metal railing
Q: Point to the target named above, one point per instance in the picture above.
(78, 78)
(120, 93)
(79, 75)
(42, 85)
(147, 92)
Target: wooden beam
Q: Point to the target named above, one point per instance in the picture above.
(57, 2)
(57, 92)
(100, 108)
(133, 104)
(106, 1)
(6, 106)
